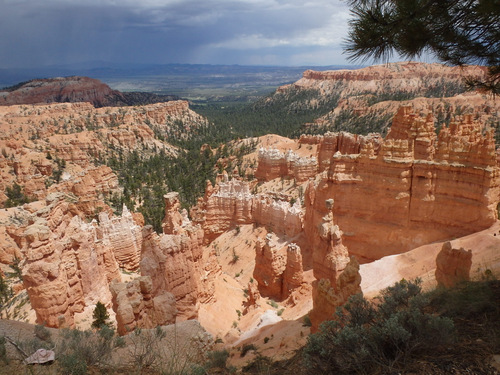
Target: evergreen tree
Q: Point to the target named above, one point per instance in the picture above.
(5, 291)
(100, 316)
(457, 32)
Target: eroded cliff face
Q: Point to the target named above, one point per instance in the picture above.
(272, 164)
(405, 76)
(124, 236)
(231, 203)
(411, 189)
(177, 263)
(135, 305)
(65, 267)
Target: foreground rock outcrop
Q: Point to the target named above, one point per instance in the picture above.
(337, 275)
(453, 266)
(65, 269)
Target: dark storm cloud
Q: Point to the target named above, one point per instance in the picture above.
(154, 31)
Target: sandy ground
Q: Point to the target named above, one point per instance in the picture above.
(421, 262)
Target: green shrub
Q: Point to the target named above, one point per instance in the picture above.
(467, 300)
(72, 364)
(273, 303)
(217, 359)
(3, 351)
(367, 338)
(259, 365)
(246, 348)
(100, 315)
(43, 333)
(15, 196)
(146, 347)
(83, 349)
(306, 321)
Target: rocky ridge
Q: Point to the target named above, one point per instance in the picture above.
(74, 89)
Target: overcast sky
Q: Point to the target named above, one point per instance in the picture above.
(246, 32)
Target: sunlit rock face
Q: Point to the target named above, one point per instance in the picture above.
(413, 188)
(124, 236)
(274, 163)
(66, 267)
(230, 203)
(337, 275)
(136, 307)
(178, 263)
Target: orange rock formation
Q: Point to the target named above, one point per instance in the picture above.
(412, 189)
(453, 265)
(124, 236)
(337, 275)
(65, 269)
(135, 306)
(177, 263)
(230, 203)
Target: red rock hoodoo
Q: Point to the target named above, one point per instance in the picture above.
(453, 265)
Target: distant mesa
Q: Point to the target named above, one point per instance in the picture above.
(75, 89)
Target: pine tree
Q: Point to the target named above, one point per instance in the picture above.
(457, 32)
(100, 316)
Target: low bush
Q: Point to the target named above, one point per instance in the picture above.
(83, 349)
(217, 359)
(246, 348)
(367, 337)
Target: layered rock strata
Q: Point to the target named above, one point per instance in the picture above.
(274, 163)
(124, 236)
(413, 188)
(136, 307)
(177, 263)
(231, 203)
(65, 268)
(278, 271)
(270, 264)
(293, 276)
(337, 275)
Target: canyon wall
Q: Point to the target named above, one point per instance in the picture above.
(65, 268)
(230, 203)
(411, 189)
(177, 263)
(273, 163)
